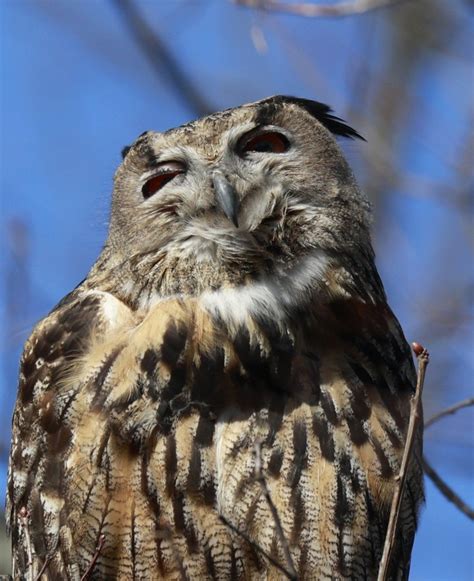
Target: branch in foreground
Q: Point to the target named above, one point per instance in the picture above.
(415, 417)
(446, 490)
(258, 548)
(46, 563)
(260, 478)
(289, 571)
(450, 410)
(306, 9)
(92, 564)
(23, 518)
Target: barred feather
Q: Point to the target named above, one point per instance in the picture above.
(143, 395)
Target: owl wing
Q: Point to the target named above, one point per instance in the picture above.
(113, 425)
(377, 365)
(49, 394)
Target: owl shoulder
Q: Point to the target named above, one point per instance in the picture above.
(63, 336)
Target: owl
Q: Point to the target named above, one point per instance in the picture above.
(234, 331)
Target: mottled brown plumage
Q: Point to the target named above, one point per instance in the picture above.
(236, 301)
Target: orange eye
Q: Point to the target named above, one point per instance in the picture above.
(166, 172)
(271, 142)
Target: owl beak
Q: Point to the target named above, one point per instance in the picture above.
(226, 197)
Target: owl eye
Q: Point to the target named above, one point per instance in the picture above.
(166, 172)
(271, 142)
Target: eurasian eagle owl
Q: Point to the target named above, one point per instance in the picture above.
(234, 311)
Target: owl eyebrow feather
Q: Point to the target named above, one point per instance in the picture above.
(321, 112)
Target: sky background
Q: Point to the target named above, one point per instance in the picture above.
(76, 87)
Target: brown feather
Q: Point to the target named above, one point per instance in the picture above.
(142, 396)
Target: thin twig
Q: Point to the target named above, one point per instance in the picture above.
(46, 563)
(415, 416)
(92, 564)
(23, 517)
(257, 547)
(160, 57)
(348, 8)
(450, 410)
(48, 560)
(446, 490)
(260, 478)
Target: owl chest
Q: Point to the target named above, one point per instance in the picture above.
(319, 479)
(329, 474)
(180, 440)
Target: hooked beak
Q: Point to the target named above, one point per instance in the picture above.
(226, 197)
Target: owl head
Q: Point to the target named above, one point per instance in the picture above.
(232, 197)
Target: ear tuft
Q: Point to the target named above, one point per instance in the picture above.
(320, 111)
(125, 150)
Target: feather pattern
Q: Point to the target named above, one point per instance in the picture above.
(143, 394)
(153, 418)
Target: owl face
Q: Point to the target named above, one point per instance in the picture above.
(234, 194)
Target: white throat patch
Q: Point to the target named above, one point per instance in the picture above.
(272, 296)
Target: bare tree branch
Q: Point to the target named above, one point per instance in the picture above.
(92, 564)
(450, 410)
(46, 563)
(446, 490)
(23, 517)
(348, 8)
(289, 570)
(260, 478)
(161, 58)
(254, 545)
(415, 417)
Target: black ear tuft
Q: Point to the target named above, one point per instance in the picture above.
(323, 113)
(320, 111)
(125, 150)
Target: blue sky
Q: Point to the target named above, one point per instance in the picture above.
(75, 89)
